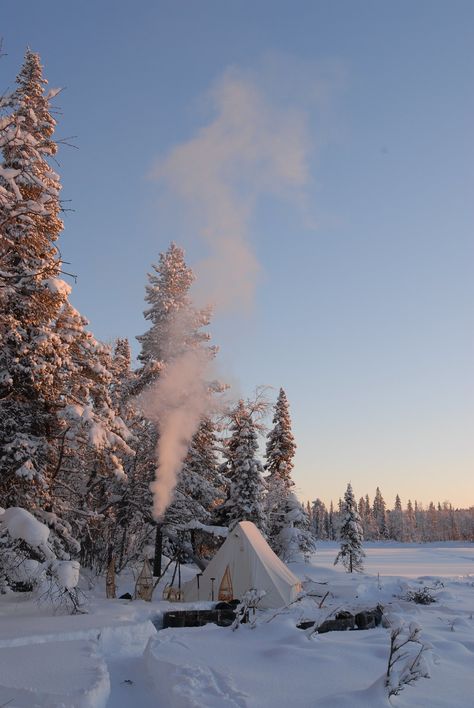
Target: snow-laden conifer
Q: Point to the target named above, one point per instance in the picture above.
(410, 522)
(31, 354)
(319, 519)
(380, 515)
(351, 554)
(200, 469)
(281, 445)
(176, 325)
(178, 328)
(90, 472)
(287, 521)
(395, 521)
(280, 450)
(134, 524)
(295, 539)
(91, 418)
(244, 471)
(199, 482)
(122, 372)
(58, 425)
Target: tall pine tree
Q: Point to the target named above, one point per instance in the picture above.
(287, 521)
(281, 445)
(94, 448)
(280, 451)
(177, 327)
(244, 471)
(57, 421)
(31, 354)
(380, 515)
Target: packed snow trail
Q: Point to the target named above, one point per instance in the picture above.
(131, 684)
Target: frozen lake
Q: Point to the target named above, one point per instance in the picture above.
(442, 560)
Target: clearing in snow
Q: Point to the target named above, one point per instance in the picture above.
(114, 657)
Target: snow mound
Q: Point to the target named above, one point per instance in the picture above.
(20, 524)
(126, 640)
(61, 675)
(57, 286)
(114, 637)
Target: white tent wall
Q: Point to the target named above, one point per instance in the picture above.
(252, 564)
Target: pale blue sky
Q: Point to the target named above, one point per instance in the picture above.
(364, 309)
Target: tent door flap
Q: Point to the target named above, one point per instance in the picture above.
(226, 593)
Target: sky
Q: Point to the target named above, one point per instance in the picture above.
(315, 159)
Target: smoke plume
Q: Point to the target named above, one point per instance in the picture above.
(177, 403)
(250, 148)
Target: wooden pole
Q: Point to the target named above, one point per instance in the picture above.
(158, 550)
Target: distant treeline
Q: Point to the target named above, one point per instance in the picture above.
(414, 523)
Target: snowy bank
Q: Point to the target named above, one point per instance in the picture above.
(60, 675)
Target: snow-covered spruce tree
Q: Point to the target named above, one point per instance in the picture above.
(199, 478)
(32, 295)
(244, 471)
(280, 450)
(123, 375)
(331, 522)
(90, 474)
(295, 539)
(395, 521)
(410, 522)
(363, 520)
(319, 519)
(132, 510)
(287, 521)
(177, 328)
(351, 554)
(56, 421)
(176, 325)
(380, 515)
(281, 445)
(196, 492)
(368, 521)
(431, 523)
(420, 521)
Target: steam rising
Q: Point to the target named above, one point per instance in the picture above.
(177, 403)
(249, 149)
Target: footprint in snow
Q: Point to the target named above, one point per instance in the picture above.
(198, 681)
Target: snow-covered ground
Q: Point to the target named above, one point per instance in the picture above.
(114, 657)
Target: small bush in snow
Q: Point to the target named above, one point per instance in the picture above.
(58, 586)
(406, 663)
(246, 610)
(421, 597)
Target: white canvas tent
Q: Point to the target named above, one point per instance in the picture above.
(244, 561)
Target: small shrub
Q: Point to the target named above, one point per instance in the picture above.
(421, 597)
(246, 610)
(406, 663)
